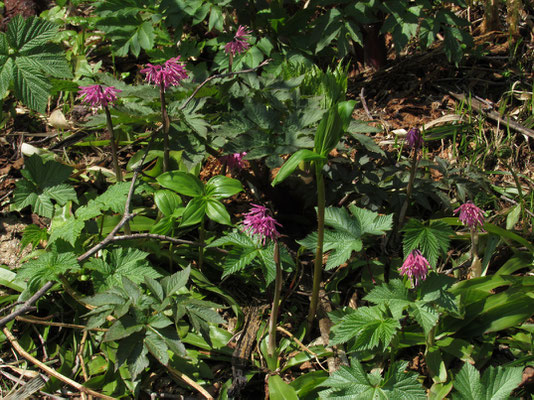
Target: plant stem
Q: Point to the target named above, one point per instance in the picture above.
(166, 125)
(276, 301)
(201, 235)
(114, 147)
(318, 265)
(409, 189)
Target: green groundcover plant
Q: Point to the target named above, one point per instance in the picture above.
(251, 237)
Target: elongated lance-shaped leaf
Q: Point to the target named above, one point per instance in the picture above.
(332, 127)
(290, 165)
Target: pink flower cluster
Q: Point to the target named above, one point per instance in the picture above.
(234, 160)
(414, 138)
(415, 267)
(470, 215)
(169, 74)
(97, 95)
(259, 223)
(239, 44)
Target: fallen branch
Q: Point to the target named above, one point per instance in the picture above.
(189, 381)
(482, 108)
(50, 371)
(28, 304)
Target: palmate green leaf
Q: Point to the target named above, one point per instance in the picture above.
(368, 325)
(65, 226)
(122, 262)
(6, 71)
(31, 87)
(49, 173)
(342, 253)
(47, 267)
(61, 193)
(239, 239)
(47, 58)
(33, 235)
(353, 383)
(26, 34)
(499, 382)
(371, 222)
(425, 315)
(239, 259)
(393, 294)
(339, 219)
(114, 197)
(433, 239)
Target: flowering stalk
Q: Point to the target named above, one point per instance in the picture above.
(238, 44)
(114, 145)
(260, 224)
(271, 345)
(166, 126)
(473, 217)
(98, 96)
(414, 141)
(318, 264)
(171, 73)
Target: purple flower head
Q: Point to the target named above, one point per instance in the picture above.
(415, 267)
(171, 73)
(239, 44)
(414, 138)
(470, 215)
(97, 95)
(234, 160)
(259, 223)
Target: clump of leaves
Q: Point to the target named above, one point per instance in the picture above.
(354, 383)
(42, 183)
(146, 320)
(27, 57)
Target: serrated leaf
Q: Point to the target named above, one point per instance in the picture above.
(47, 59)
(352, 383)
(175, 282)
(122, 328)
(467, 384)
(173, 341)
(31, 87)
(25, 34)
(6, 72)
(339, 219)
(238, 260)
(48, 267)
(66, 227)
(371, 222)
(32, 235)
(499, 382)
(114, 197)
(393, 294)
(127, 262)
(157, 347)
(234, 238)
(432, 240)
(133, 352)
(425, 316)
(368, 325)
(342, 253)
(155, 287)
